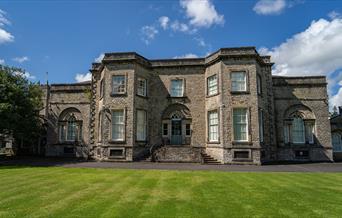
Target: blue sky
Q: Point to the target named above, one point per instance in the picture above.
(65, 37)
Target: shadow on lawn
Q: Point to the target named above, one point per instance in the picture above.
(29, 161)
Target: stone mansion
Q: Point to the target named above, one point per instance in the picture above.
(225, 108)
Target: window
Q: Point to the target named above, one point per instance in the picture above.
(337, 142)
(141, 87)
(69, 129)
(298, 135)
(261, 125)
(212, 85)
(240, 124)
(213, 126)
(177, 88)
(141, 125)
(259, 84)
(286, 133)
(118, 125)
(100, 127)
(309, 132)
(101, 88)
(116, 152)
(238, 81)
(241, 154)
(119, 84)
(165, 129)
(187, 129)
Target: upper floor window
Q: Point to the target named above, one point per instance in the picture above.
(141, 87)
(238, 80)
(119, 84)
(177, 88)
(259, 84)
(212, 85)
(240, 124)
(118, 125)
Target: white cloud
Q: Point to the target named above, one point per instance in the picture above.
(315, 51)
(268, 7)
(26, 75)
(164, 21)
(83, 77)
(202, 13)
(181, 27)
(2, 61)
(20, 59)
(334, 14)
(189, 55)
(99, 58)
(148, 33)
(201, 41)
(4, 35)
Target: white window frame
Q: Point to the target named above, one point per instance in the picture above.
(122, 123)
(172, 88)
(211, 126)
(141, 136)
(142, 86)
(246, 123)
(238, 83)
(116, 87)
(212, 88)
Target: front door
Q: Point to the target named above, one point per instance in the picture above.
(176, 132)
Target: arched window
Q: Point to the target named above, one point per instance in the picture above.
(337, 142)
(298, 132)
(70, 126)
(299, 125)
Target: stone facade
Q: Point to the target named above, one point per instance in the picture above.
(176, 128)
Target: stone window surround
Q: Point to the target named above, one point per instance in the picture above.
(117, 157)
(136, 125)
(217, 85)
(184, 86)
(247, 91)
(259, 86)
(112, 85)
(217, 109)
(243, 159)
(261, 125)
(123, 141)
(137, 86)
(65, 124)
(249, 136)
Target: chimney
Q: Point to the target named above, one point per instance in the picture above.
(340, 110)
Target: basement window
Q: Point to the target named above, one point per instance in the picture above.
(241, 154)
(302, 154)
(116, 153)
(68, 150)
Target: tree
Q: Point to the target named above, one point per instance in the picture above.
(20, 103)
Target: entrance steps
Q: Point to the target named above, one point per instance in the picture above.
(207, 159)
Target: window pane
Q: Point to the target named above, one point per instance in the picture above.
(240, 124)
(165, 129)
(141, 86)
(337, 142)
(213, 126)
(71, 129)
(309, 133)
(118, 125)
(187, 129)
(119, 84)
(212, 85)
(141, 125)
(238, 81)
(298, 130)
(286, 133)
(261, 125)
(176, 88)
(259, 87)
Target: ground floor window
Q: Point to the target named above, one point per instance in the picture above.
(118, 125)
(141, 125)
(70, 130)
(213, 121)
(337, 142)
(299, 131)
(240, 124)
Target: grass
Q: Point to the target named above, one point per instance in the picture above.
(64, 192)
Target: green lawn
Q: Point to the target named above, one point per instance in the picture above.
(61, 192)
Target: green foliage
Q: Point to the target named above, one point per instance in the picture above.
(66, 192)
(20, 103)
